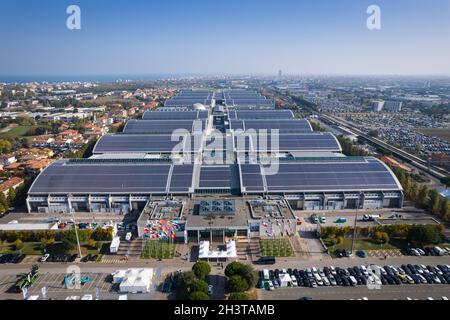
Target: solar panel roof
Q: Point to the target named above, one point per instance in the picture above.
(260, 114)
(321, 176)
(63, 177)
(175, 115)
(216, 176)
(125, 143)
(162, 126)
(283, 125)
(287, 142)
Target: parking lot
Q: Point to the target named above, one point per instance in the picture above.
(54, 284)
(351, 293)
(355, 280)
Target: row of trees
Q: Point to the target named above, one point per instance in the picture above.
(420, 234)
(52, 236)
(425, 198)
(349, 149)
(191, 285)
(241, 278)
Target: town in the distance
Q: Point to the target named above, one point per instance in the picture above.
(226, 188)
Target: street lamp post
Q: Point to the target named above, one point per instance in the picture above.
(76, 234)
(354, 225)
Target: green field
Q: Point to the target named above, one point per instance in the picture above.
(276, 247)
(18, 131)
(158, 249)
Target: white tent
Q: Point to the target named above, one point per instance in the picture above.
(206, 253)
(133, 280)
(118, 276)
(285, 280)
(127, 284)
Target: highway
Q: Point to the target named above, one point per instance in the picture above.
(417, 162)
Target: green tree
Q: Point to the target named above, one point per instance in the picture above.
(408, 185)
(198, 286)
(424, 196)
(238, 296)
(5, 146)
(381, 237)
(198, 295)
(201, 269)
(435, 201)
(237, 283)
(92, 243)
(423, 235)
(4, 201)
(234, 268)
(2, 209)
(11, 195)
(415, 192)
(445, 208)
(18, 244)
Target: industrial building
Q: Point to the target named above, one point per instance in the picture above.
(137, 168)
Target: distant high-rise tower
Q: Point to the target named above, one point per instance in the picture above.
(280, 73)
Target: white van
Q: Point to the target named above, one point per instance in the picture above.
(353, 280)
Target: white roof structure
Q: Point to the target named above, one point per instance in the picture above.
(122, 275)
(206, 253)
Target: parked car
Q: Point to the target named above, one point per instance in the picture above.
(45, 257)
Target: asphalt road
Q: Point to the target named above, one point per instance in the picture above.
(400, 292)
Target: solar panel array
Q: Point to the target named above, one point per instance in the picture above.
(287, 142)
(245, 98)
(146, 143)
(316, 176)
(162, 126)
(282, 125)
(189, 98)
(215, 176)
(175, 115)
(260, 114)
(63, 177)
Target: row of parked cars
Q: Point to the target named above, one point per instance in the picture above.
(11, 258)
(434, 251)
(58, 257)
(358, 275)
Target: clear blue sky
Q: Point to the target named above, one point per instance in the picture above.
(232, 36)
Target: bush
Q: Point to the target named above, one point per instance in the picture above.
(198, 295)
(18, 244)
(92, 243)
(237, 283)
(238, 296)
(201, 269)
(381, 237)
(424, 235)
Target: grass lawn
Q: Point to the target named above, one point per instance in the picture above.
(276, 247)
(29, 248)
(365, 244)
(158, 249)
(18, 131)
(34, 248)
